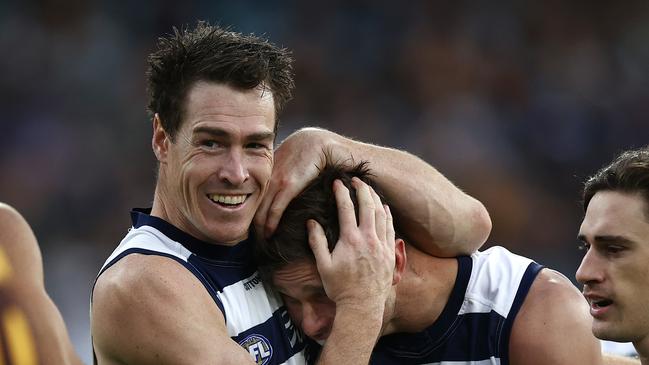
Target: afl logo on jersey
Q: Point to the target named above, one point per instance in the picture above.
(259, 348)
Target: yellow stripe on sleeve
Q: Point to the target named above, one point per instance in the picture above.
(5, 267)
(20, 342)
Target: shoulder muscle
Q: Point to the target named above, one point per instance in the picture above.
(149, 309)
(553, 325)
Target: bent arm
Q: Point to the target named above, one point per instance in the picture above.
(23, 286)
(553, 326)
(438, 217)
(150, 310)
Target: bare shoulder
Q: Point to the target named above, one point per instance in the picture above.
(18, 242)
(553, 325)
(550, 285)
(149, 309)
(11, 220)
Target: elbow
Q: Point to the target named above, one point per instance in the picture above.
(483, 224)
(476, 229)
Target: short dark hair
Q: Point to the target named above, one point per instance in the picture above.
(289, 243)
(211, 53)
(628, 173)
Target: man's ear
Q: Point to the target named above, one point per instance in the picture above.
(400, 260)
(160, 140)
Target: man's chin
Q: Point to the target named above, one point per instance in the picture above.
(609, 332)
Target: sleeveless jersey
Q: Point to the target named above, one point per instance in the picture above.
(475, 325)
(255, 317)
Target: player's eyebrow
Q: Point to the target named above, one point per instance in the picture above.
(218, 132)
(606, 239)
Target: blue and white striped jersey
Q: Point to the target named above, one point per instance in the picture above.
(475, 325)
(255, 316)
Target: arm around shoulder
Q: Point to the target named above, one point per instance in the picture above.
(151, 310)
(432, 212)
(437, 216)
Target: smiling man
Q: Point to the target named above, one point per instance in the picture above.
(182, 287)
(615, 234)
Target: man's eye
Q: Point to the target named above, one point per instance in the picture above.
(210, 143)
(256, 146)
(583, 246)
(613, 249)
(289, 300)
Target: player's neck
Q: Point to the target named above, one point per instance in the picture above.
(423, 291)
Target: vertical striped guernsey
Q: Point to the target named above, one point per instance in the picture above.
(255, 316)
(475, 325)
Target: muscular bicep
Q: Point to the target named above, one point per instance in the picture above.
(553, 326)
(151, 310)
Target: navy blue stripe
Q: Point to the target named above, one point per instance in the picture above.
(241, 252)
(455, 300)
(473, 338)
(526, 282)
(278, 330)
(222, 273)
(439, 331)
(199, 275)
(419, 344)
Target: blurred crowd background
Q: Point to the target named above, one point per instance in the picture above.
(515, 101)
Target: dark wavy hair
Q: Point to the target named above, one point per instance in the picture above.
(290, 242)
(211, 53)
(628, 173)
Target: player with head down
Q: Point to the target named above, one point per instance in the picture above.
(493, 307)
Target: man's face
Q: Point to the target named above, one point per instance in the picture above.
(305, 298)
(615, 269)
(219, 165)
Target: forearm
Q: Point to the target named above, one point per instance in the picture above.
(436, 215)
(353, 336)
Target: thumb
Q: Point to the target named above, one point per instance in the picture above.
(318, 243)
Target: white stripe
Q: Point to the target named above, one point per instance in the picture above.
(495, 279)
(245, 309)
(149, 238)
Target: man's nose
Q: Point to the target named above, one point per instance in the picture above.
(590, 269)
(234, 169)
(313, 323)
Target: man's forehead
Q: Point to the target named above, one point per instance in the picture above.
(204, 98)
(303, 272)
(612, 213)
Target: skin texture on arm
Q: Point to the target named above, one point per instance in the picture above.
(553, 326)
(23, 282)
(356, 275)
(151, 310)
(438, 217)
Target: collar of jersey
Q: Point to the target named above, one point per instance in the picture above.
(436, 333)
(241, 251)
